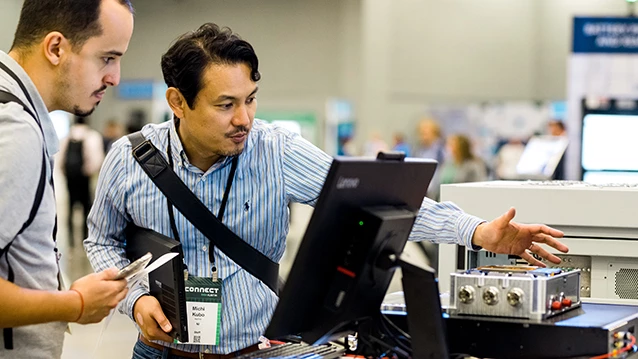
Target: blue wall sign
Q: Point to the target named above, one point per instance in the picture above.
(605, 35)
(135, 90)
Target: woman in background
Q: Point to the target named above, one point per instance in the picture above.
(461, 165)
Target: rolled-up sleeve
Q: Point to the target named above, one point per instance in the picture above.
(106, 245)
(444, 222)
(305, 168)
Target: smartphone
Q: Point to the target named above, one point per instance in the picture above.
(135, 267)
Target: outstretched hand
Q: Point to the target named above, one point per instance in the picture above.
(502, 235)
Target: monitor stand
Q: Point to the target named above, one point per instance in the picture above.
(423, 306)
(425, 317)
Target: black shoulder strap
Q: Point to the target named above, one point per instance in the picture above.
(246, 256)
(4, 98)
(9, 97)
(24, 90)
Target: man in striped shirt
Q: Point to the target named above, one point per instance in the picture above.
(212, 80)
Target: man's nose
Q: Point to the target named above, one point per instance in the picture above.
(113, 77)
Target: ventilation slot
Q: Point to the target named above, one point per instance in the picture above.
(627, 283)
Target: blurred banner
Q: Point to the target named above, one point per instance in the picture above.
(303, 123)
(603, 66)
(605, 35)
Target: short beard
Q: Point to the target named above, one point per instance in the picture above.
(79, 112)
(234, 153)
(63, 86)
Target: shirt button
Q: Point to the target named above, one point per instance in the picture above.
(204, 248)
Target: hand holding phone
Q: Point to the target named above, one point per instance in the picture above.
(135, 267)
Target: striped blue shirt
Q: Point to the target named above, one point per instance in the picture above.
(276, 167)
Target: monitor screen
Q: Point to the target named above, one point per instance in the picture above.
(364, 215)
(608, 177)
(609, 142)
(541, 156)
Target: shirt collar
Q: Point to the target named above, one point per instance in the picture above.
(177, 149)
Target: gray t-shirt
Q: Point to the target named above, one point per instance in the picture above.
(31, 254)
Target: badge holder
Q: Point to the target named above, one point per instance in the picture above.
(204, 309)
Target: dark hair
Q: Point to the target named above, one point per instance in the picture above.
(185, 61)
(464, 146)
(77, 20)
(560, 124)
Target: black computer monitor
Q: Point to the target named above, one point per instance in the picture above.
(166, 283)
(342, 270)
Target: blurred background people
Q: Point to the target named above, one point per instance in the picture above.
(400, 144)
(374, 145)
(461, 165)
(431, 145)
(112, 131)
(556, 128)
(81, 156)
(137, 119)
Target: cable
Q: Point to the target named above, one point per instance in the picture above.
(397, 340)
(374, 343)
(621, 335)
(396, 327)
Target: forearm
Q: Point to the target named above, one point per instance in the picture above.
(134, 294)
(22, 306)
(105, 254)
(444, 223)
(106, 244)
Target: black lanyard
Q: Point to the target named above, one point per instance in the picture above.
(222, 208)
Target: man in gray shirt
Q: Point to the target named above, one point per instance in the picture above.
(64, 55)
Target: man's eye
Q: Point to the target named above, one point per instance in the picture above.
(108, 60)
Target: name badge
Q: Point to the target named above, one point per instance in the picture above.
(204, 310)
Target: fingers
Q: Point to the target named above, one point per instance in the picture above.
(119, 286)
(100, 293)
(121, 295)
(108, 274)
(540, 251)
(540, 228)
(152, 330)
(157, 334)
(159, 326)
(552, 242)
(531, 260)
(161, 319)
(537, 229)
(507, 216)
(151, 318)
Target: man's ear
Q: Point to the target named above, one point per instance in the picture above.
(176, 101)
(55, 47)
